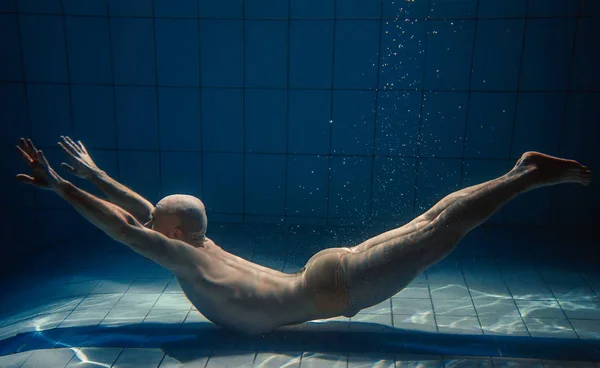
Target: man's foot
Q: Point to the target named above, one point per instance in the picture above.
(549, 170)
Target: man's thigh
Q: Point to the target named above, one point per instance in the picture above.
(379, 272)
(396, 233)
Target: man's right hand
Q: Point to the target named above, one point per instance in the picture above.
(82, 164)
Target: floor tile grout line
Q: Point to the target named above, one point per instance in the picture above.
(391, 311)
(587, 283)
(459, 263)
(559, 303)
(535, 265)
(159, 363)
(205, 365)
(433, 313)
(72, 310)
(118, 356)
(512, 297)
(77, 351)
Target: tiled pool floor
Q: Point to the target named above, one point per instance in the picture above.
(143, 357)
(101, 284)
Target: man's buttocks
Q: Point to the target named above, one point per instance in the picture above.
(325, 282)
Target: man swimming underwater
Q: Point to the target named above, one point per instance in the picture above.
(244, 296)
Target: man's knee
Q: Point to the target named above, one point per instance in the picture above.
(444, 239)
(450, 225)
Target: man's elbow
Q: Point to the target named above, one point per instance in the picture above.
(130, 220)
(121, 233)
(127, 230)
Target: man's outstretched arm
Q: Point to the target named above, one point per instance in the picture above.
(174, 255)
(84, 167)
(178, 257)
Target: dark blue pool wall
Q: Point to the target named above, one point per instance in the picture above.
(315, 112)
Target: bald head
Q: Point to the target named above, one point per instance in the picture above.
(181, 217)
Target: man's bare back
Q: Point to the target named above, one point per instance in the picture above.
(241, 295)
(244, 296)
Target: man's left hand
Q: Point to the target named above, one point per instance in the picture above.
(43, 176)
